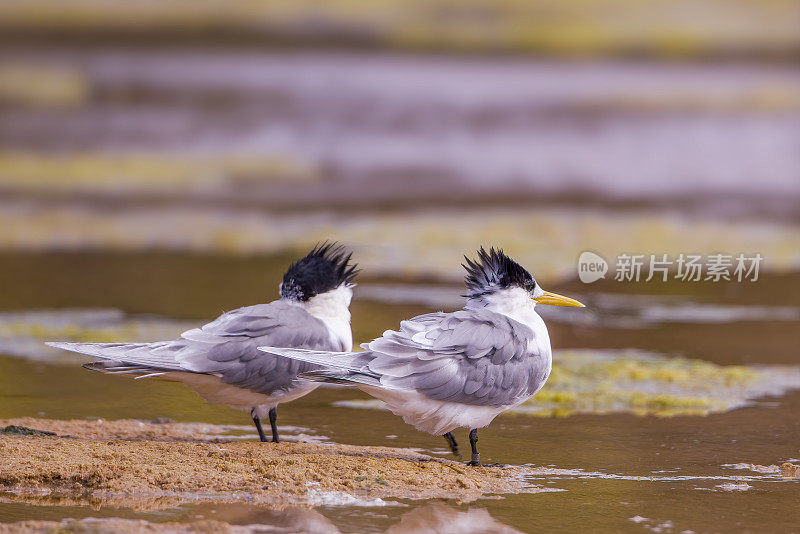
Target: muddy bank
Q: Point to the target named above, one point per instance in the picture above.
(150, 465)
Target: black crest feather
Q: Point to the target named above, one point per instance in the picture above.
(326, 267)
(494, 270)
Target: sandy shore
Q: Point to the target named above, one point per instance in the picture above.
(142, 465)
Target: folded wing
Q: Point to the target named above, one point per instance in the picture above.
(225, 348)
(475, 357)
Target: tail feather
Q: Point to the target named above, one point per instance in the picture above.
(125, 357)
(338, 367)
(337, 376)
(351, 361)
(112, 367)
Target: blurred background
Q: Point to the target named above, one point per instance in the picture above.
(411, 130)
(161, 162)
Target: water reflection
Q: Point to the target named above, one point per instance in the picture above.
(434, 517)
(438, 518)
(289, 519)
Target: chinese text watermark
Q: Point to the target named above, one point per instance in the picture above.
(663, 267)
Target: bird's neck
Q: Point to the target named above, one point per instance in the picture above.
(514, 302)
(333, 309)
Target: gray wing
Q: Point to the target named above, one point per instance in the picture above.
(226, 347)
(474, 357)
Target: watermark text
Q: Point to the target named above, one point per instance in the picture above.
(663, 267)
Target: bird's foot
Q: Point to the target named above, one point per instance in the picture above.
(452, 443)
(476, 460)
(261, 435)
(454, 449)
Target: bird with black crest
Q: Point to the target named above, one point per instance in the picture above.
(442, 371)
(220, 360)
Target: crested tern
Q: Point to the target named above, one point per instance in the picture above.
(441, 370)
(220, 361)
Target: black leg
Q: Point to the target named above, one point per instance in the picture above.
(273, 422)
(257, 422)
(451, 440)
(473, 442)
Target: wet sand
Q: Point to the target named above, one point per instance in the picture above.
(140, 465)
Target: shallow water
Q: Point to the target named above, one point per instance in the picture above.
(621, 471)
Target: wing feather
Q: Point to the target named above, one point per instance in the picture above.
(471, 356)
(226, 347)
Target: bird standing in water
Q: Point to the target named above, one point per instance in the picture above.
(441, 371)
(220, 360)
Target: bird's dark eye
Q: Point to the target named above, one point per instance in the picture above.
(530, 285)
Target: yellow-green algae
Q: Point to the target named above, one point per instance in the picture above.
(605, 382)
(587, 382)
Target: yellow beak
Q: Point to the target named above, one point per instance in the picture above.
(554, 299)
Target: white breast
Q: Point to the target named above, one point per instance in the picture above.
(517, 304)
(433, 416)
(333, 309)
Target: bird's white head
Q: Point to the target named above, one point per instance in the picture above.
(494, 280)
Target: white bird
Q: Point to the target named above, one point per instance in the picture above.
(441, 371)
(220, 360)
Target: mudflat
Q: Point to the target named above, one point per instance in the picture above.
(149, 465)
